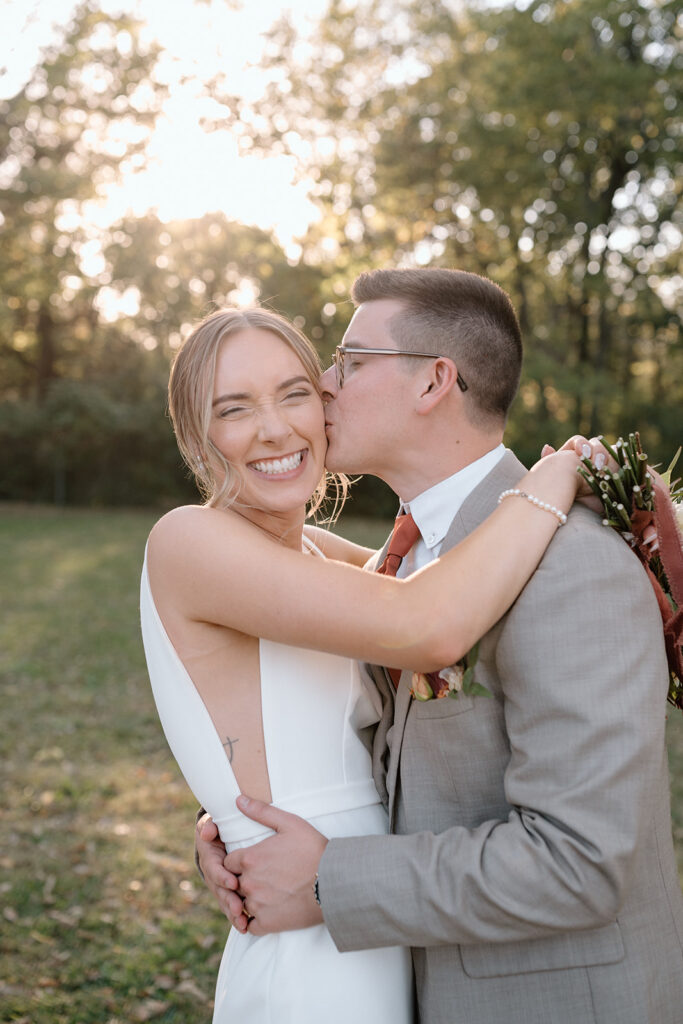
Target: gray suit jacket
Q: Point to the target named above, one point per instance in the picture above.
(532, 869)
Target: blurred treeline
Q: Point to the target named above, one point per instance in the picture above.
(539, 144)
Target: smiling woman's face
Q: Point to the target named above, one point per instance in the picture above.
(267, 421)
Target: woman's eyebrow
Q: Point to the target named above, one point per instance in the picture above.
(241, 396)
(236, 397)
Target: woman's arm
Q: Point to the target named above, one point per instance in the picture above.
(222, 569)
(339, 548)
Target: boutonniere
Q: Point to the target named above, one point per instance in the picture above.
(450, 681)
(645, 508)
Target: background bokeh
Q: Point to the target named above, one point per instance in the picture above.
(538, 143)
(160, 158)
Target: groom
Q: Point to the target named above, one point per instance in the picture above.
(531, 866)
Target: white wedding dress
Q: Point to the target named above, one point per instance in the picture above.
(313, 705)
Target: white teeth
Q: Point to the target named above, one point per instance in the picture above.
(274, 466)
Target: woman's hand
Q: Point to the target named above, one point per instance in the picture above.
(594, 450)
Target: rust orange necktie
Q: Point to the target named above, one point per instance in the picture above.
(404, 535)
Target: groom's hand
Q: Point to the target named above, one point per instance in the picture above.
(277, 875)
(221, 883)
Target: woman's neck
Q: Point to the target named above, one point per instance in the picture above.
(285, 527)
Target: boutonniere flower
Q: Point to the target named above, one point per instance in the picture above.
(645, 508)
(450, 681)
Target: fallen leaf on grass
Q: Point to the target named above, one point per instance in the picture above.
(149, 1009)
(188, 988)
(68, 917)
(166, 862)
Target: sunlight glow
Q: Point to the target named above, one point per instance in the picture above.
(188, 171)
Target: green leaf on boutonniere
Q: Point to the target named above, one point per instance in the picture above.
(472, 655)
(472, 688)
(477, 690)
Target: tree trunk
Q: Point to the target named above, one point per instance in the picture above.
(45, 366)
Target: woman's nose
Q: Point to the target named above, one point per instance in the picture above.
(273, 424)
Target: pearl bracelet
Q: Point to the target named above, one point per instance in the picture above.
(515, 492)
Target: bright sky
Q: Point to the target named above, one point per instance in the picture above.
(189, 172)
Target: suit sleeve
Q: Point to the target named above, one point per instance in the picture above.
(583, 672)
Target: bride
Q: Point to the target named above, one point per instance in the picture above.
(252, 622)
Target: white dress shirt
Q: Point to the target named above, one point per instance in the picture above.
(434, 509)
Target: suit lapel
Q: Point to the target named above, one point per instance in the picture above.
(474, 510)
(387, 692)
(380, 675)
(483, 499)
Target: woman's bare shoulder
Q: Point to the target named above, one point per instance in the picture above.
(196, 528)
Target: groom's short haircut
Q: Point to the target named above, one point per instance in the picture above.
(460, 315)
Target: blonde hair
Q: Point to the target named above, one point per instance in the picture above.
(190, 394)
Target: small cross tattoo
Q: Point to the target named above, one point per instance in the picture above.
(229, 748)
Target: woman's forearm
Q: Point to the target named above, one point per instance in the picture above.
(220, 569)
(494, 562)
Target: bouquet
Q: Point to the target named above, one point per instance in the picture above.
(645, 507)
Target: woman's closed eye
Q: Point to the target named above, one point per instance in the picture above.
(298, 394)
(235, 412)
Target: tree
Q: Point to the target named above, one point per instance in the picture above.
(169, 275)
(101, 435)
(83, 117)
(537, 144)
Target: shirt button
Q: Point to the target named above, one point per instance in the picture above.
(430, 540)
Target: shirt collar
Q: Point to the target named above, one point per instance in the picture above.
(435, 508)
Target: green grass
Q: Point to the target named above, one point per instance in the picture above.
(104, 919)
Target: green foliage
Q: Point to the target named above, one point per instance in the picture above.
(538, 146)
(90, 317)
(537, 143)
(97, 432)
(84, 116)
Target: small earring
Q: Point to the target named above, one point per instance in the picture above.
(200, 462)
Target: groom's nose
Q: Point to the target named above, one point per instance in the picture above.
(328, 384)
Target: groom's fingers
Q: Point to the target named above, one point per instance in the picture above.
(232, 906)
(206, 829)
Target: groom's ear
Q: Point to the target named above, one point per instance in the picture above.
(436, 383)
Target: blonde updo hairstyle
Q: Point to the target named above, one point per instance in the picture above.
(190, 396)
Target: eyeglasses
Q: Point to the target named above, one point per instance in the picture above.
(343, 350)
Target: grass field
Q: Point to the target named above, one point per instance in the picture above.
(104, 919)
